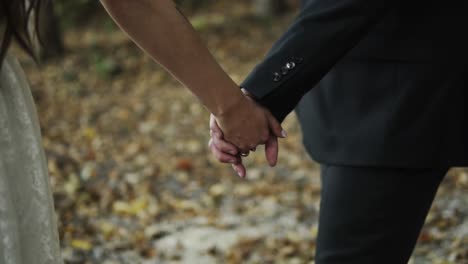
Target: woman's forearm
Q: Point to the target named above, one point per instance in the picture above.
(159, 29)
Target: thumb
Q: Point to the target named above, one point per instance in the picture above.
(275, 126)
(271, 150)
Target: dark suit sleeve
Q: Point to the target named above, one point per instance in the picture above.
(322, 33)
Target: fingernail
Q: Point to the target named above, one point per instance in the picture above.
(283, 133)
(233, 152)
(238, 172)
(232, 161)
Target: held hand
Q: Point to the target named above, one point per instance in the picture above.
(248, 125)
(228, 153)
(224, 151)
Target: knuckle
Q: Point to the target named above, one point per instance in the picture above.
(214, 152)
(220, 143)
(219, 156)
(223, 149)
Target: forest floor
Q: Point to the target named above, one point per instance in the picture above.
(133, 179)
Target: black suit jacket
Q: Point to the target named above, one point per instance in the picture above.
(375, 82)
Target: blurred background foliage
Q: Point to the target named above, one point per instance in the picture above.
(60, 15)
(73, 13)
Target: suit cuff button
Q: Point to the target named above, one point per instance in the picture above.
(284, 70)
(290, 65)
(276, 77)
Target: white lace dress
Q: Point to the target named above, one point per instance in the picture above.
(28, 230)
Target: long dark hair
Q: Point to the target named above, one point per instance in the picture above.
(14, 17)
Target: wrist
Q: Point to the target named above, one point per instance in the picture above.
(229, 105)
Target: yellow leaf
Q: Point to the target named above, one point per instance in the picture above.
(89, 133)
(81, 244)
(132, 208)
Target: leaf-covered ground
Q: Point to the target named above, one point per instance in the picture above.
(133, 179)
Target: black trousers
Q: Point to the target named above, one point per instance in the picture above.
(373, 215)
